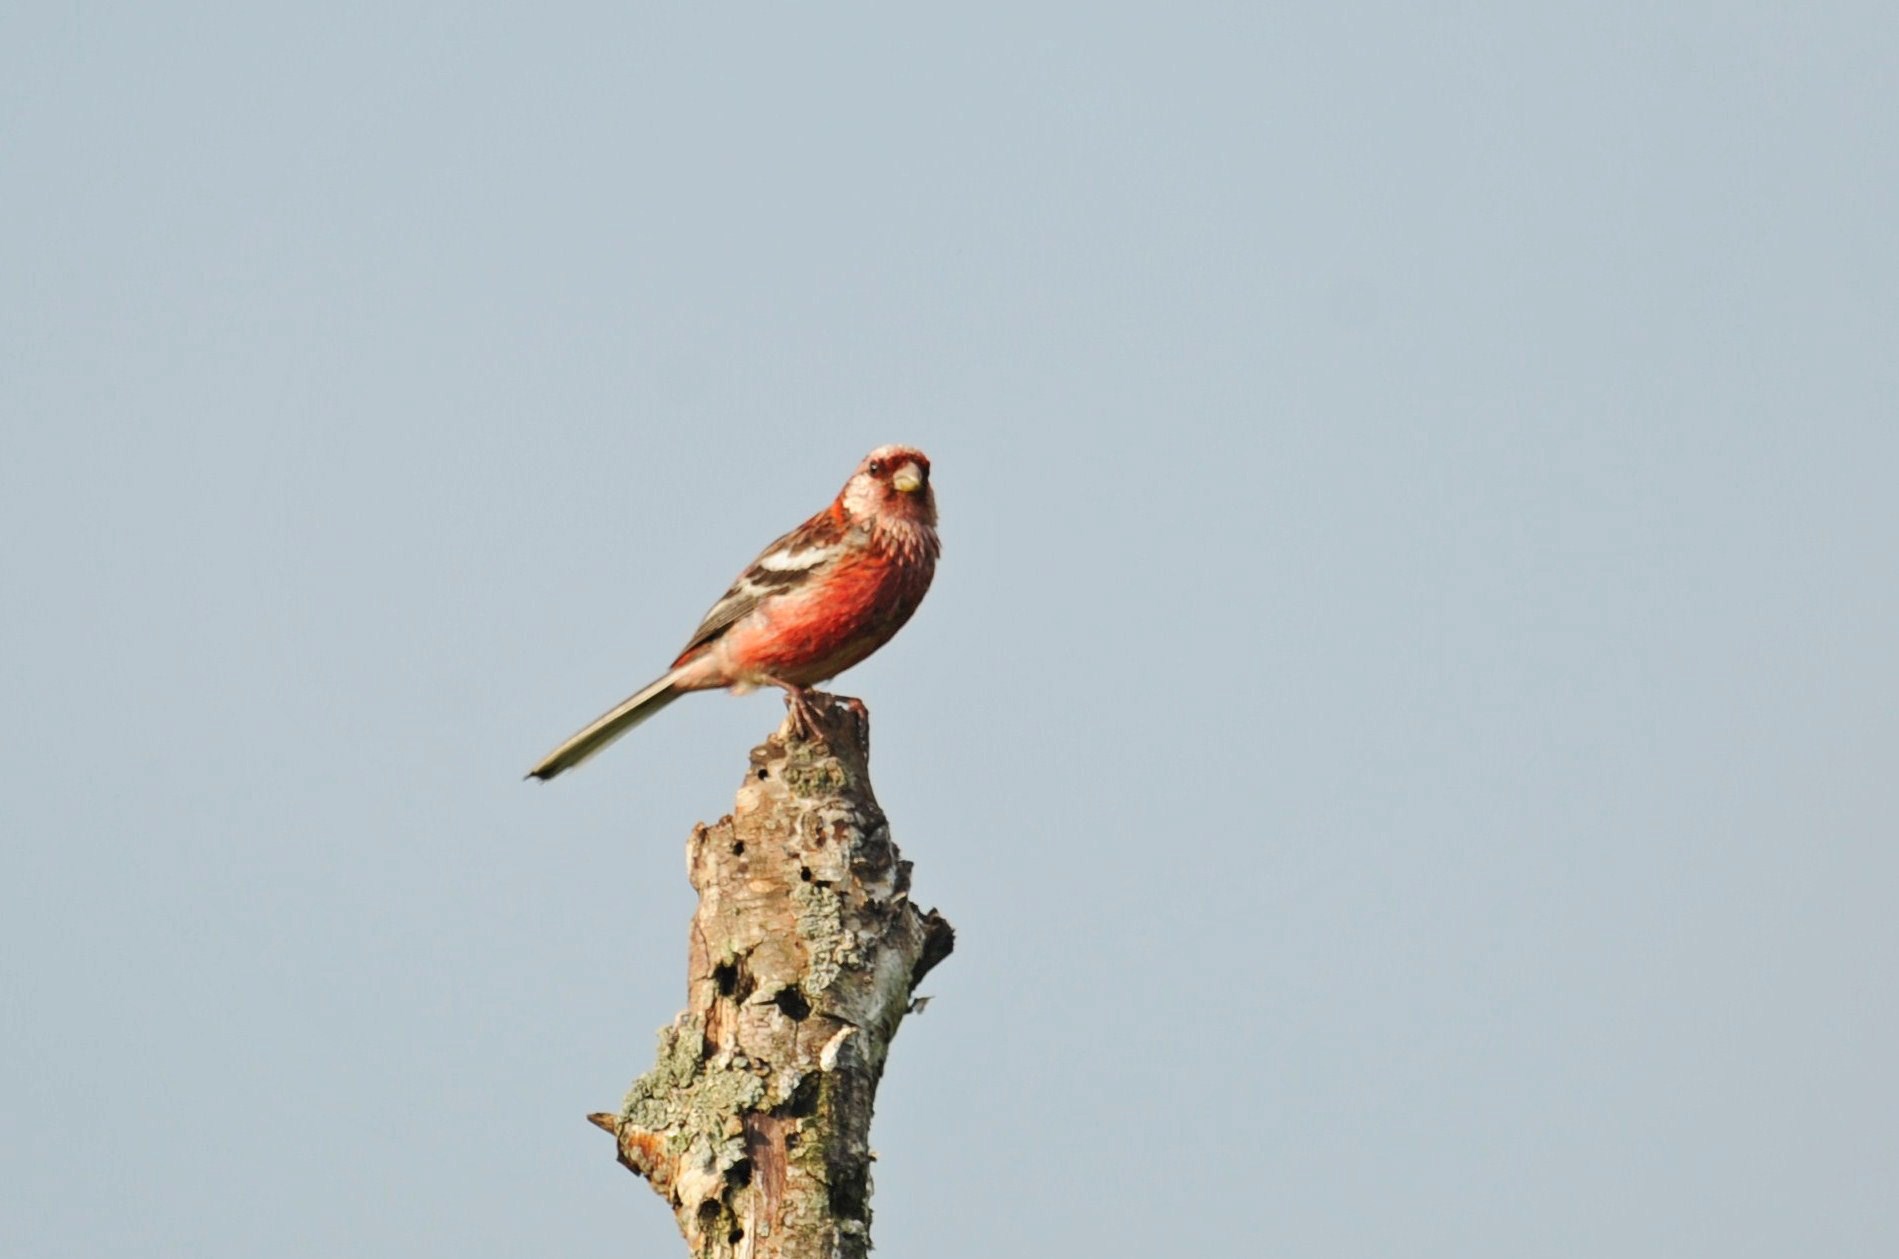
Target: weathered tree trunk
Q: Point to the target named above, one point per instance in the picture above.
(805, 951)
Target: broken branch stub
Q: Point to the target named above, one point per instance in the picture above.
(804, 956)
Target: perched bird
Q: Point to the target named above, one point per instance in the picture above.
(814, 603)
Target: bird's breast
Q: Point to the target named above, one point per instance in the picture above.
(844, 616)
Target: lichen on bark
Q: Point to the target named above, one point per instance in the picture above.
(802, 960)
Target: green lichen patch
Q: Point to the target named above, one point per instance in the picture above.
(684, 1094)
(816, 778)
(821, 925)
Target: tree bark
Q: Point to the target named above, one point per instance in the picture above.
(803, 958)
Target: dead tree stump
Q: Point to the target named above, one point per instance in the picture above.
(803, 958)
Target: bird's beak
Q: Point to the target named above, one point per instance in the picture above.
(908, 479)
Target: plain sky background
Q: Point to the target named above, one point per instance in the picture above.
(1406, 722)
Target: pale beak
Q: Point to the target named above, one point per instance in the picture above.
(908, 479)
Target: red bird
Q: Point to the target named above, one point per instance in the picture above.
(814, 603)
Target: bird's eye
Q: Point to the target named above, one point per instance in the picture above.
(876, 467)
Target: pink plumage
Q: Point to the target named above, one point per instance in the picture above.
(815, 602)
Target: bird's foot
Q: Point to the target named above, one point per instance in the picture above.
(805, 709)
(802, 705)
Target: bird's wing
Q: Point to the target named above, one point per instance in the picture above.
(784, 566)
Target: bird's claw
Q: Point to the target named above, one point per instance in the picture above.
(801, 705)
(804, 712)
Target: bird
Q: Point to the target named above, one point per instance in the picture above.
(815, 602)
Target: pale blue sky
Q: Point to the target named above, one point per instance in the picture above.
(1406, 722)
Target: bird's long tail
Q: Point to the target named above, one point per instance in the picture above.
(608, 726)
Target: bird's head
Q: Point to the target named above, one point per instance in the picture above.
(891, 487)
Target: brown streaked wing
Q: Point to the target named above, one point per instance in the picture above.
(786, 563)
